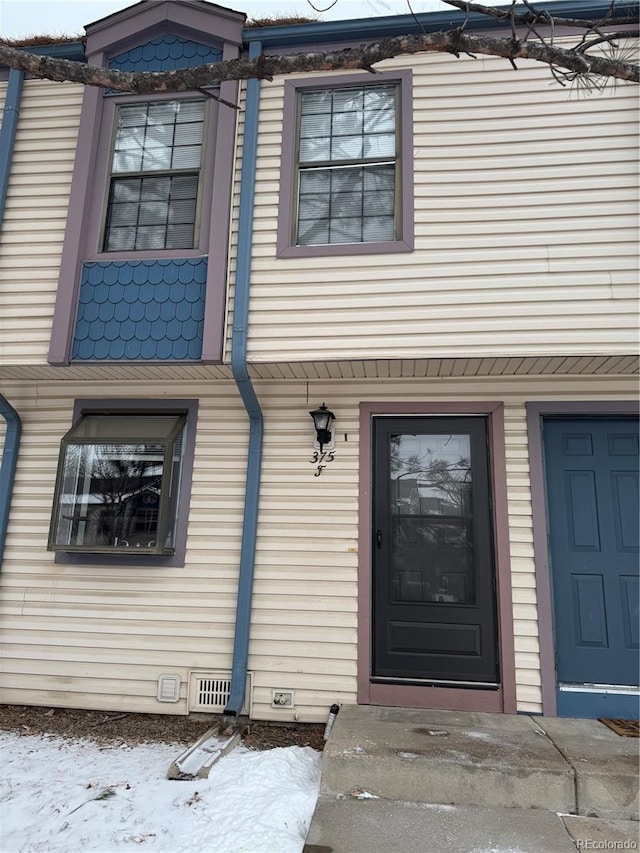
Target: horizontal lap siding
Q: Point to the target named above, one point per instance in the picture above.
(105, 634)
(99, 636)
(35, 218)
(306, 556)
(307, 560)
(525, 206)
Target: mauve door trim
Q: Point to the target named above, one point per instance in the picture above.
(502, 700)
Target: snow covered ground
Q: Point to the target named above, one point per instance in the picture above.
(61, 796)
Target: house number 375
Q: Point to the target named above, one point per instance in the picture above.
(321, 460)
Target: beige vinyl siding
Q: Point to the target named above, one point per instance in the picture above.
(96, 636)
(526, 241)
(36, 212)
(308, 527)
(99, 637)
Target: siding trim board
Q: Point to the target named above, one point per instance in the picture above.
(132, 25)
(535, 415)
(502, 700)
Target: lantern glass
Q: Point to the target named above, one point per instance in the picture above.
(323, 418)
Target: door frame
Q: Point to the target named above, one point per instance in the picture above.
(536, 412)
(502, 700)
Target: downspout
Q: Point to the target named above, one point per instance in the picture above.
(249, 398)
(10, 117)
(8, 466)
(9, 462)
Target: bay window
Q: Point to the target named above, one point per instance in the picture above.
(118, 486)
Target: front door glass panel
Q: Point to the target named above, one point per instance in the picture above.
(431, 518)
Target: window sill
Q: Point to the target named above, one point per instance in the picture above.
(145, 255)
(90, 558)
(344, 249)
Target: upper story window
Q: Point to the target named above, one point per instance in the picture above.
(144, 266)
(347, 165)
(118, 487)
(155, 175)
(346, 175)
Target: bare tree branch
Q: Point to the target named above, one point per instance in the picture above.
(536, 16)
(606, 39)
(363, 57)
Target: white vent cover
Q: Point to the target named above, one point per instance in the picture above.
(169, 688)
(209, 691)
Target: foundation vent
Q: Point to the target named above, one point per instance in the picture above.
(209, 692)
(168, 688)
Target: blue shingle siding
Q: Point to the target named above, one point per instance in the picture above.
(165, 53)
(141, 310)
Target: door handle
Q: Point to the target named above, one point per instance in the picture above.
(379, 538)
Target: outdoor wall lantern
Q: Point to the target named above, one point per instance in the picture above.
(322, 420)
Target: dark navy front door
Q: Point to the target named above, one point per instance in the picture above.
(592, 493)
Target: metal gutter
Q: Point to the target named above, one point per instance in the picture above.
(10, 115)
(247, 392)
(8, 465)
(72, 50)
(367, 29)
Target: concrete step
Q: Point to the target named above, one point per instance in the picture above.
(384, 826)
(488, 760)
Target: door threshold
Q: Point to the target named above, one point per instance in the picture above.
(434, 682)
(614, 689)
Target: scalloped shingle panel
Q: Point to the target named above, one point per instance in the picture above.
(165, 53)
(141, 310)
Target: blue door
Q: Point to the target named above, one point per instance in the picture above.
(592, 495)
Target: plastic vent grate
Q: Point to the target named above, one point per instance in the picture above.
(212, 692)
(209, 691)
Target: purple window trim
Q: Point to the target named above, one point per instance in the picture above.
(133, 25)
(132, 405)
(405, 243)
(98, 198)
(83, 234)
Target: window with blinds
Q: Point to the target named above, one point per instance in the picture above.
(155, 174)
(347, 165)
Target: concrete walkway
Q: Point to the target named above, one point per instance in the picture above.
(407, 780)
(384, 826)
